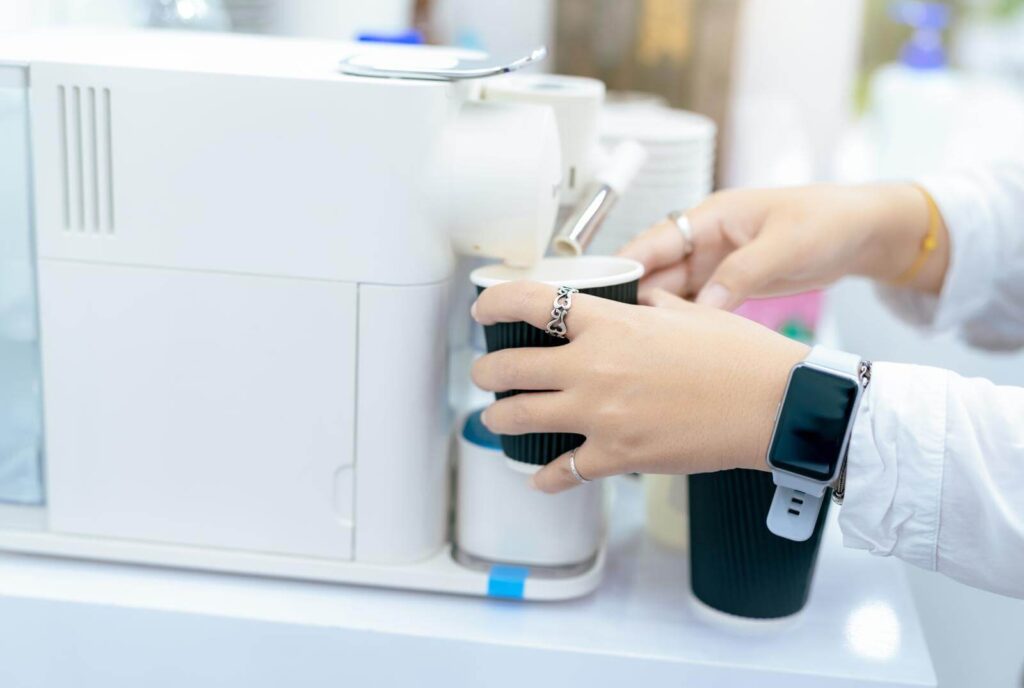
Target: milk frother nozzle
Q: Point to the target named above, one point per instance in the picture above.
(599, 198)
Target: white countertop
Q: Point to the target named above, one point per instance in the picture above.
(82, 624)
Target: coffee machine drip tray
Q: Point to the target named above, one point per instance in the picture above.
(441, 572)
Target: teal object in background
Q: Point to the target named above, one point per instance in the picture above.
(476, 432)
(470, 40)
(798, 330)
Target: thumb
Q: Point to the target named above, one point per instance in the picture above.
(745, 272)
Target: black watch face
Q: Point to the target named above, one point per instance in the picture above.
(812, 423)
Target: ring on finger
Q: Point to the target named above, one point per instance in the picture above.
(682, 223)
(560, 308)
(575, 471)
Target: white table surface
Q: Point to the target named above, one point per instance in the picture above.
(83, 624)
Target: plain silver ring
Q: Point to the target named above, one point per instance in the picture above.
(682, 223)
(572, 468)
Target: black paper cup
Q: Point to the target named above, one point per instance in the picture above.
(737, 565)
(608, 277)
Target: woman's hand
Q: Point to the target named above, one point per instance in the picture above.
(677, 389)
(750, 243)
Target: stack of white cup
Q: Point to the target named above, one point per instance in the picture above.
(678, 174)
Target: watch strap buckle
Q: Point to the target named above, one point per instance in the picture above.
(793, 513)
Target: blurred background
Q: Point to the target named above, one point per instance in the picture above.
(800, 91)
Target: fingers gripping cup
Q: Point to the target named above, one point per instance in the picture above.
(608, 277)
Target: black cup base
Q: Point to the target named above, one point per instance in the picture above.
(737, 565)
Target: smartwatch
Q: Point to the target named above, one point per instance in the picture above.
(807, 452)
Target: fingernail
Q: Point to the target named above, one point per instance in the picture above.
(714, 295)
(483, 418)
(472, 310)
(532, 483)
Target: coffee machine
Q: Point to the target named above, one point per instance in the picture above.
(226, 296)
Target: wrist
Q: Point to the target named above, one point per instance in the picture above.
(774, 376)
(895, 220)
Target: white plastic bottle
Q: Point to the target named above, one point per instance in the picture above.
(913, 100)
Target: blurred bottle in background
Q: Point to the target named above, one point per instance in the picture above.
(330, 18)
(193, 15)
(925, 116)
(912, 99)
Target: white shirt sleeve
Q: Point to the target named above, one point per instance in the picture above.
(983, 294)
(935, 471)
(935, 475)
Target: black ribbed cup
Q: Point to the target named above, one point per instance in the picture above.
(543, 448)
(737, 565)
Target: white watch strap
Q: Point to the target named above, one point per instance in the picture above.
(793, 513)
(839, 361)
(797, 501)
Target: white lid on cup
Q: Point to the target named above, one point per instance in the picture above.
(579, 272)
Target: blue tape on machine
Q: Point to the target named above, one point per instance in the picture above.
(507, 582)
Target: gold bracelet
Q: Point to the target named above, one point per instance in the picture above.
(928, 244)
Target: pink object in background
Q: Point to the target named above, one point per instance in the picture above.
(795, 316)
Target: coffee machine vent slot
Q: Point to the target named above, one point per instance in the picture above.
(87, 166)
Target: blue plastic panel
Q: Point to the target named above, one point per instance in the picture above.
(507, 581)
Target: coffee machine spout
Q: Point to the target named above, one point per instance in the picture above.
(501, 181)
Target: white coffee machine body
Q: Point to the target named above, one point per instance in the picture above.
(242, 262)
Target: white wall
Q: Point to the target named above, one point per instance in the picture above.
(795, 68)
(20, 15)
(503, 27)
